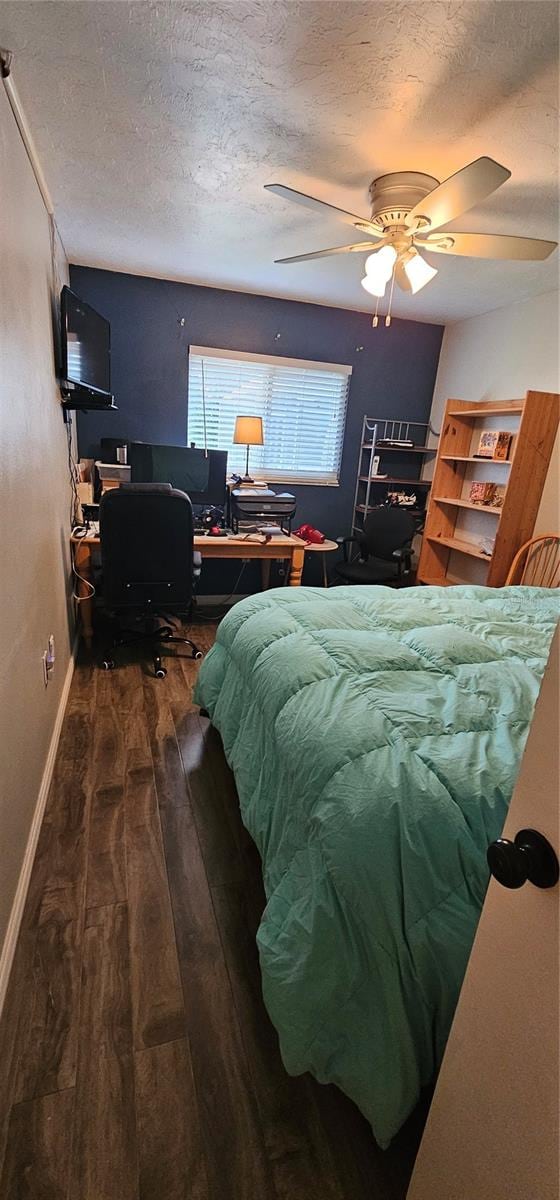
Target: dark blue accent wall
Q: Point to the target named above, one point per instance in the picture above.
(393, 374)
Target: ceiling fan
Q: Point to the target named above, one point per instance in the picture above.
(408, 209)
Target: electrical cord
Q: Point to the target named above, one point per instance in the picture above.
(218, 616)
(91, 592)
(80, 532)
(73, 470)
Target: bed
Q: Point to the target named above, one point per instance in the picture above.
(375, 737)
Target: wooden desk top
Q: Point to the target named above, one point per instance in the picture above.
(223, 547)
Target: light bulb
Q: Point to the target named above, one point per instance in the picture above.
(381, 263)
(418, 271)
(376, 287)
(379, 268)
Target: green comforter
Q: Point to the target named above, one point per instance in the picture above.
(375, 737)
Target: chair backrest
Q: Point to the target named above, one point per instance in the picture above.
(387, 529)
(537, 563)
(146, 533)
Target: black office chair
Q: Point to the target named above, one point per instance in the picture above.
(384, 548)
(146, 532)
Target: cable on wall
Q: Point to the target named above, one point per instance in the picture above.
(91, 593)
(6, 61)
(6, 58)
(73, 471)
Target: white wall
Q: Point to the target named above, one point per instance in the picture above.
(34, 505)
(500, 356)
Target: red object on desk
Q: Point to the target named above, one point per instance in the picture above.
(309, 534)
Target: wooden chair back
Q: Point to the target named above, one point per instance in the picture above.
(537, 563)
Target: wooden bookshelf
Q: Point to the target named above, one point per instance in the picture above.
(459, 544)
(449, 542)
(436, 581)
(457, 503)
(496, 462)
(492, 409)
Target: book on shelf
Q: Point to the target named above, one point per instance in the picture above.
(487, 493)
(494, 443)
(482, 493)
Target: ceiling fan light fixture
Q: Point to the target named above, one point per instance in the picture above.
(380, 264)
(409, 210)
(379, 268)
(373, 285)
(418, 271)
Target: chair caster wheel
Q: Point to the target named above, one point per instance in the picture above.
(198, 654)
(107, 664)
(161, 672)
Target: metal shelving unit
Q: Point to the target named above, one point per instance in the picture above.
(369, 491)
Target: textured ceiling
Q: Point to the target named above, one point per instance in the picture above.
(158, 123)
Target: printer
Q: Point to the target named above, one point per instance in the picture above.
(250, 507)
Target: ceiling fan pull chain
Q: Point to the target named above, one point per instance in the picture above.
(388, 317)
(375, 321)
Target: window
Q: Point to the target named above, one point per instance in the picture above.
(302, 404)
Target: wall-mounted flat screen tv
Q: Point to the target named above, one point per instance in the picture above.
(85, 354)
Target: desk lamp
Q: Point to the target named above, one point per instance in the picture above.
(248, 432)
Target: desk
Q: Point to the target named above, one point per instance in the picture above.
(283, 547)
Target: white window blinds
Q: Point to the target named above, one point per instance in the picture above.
(302, 405)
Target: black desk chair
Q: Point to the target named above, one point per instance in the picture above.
(384, 548)
(146, 532)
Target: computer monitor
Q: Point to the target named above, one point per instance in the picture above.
(199, 473)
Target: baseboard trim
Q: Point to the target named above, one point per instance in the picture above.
(16, 914)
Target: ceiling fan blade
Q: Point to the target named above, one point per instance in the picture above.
(357, 248)
(461, 191)
(401, 278)
(487, 245)
(287, 193)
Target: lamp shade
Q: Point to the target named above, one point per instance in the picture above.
(248, 431)
(380, 264)
(418, 271)
(376, 287)
(379, 268)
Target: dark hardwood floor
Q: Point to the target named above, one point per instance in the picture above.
(137, 1061)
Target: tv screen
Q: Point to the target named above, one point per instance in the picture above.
(86, 345)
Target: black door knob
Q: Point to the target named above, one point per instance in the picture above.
(529, 857)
